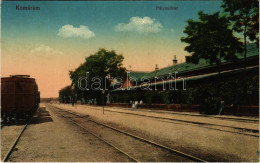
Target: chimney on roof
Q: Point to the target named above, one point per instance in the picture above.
(130, 66)
(175, 61)
(156, 67)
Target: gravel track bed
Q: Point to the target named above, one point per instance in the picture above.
(141, 150)
(204, 143)
(51, 138)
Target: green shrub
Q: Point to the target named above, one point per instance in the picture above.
(188, 96)
(165, 95)
(149, 97)
(210, 105)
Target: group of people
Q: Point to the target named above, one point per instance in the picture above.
(135, 104)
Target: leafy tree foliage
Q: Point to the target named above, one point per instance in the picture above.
(66, 91)
(65, 94)
(211, 39)
(104, 65)
(245, 17)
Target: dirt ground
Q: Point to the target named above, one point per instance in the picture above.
(208, 144)
(9, 133)
(141, 151)
(54, 139)
(199, 119)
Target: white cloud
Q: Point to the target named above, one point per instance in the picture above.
(141, 25)
(70, 31)
(45, 50)
(172, 30)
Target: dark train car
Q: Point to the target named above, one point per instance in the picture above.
(19, 96)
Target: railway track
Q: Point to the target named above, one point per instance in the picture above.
(239, 119)
(199, 115)
(121, 151)
(11, 149)
(241, 130)
(135, 147)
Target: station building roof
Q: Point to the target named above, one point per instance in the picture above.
(252, 51)
(191, 78)
(136, 74)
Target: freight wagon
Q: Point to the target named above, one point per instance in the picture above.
(19, 97)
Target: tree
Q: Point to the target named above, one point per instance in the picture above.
(244, 15)
(102, 64)
(210, 38)
(65, 94)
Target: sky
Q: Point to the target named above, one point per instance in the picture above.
(47, 43)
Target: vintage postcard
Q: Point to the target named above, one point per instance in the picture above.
(130, 81)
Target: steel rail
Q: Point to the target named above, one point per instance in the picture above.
(131, 157)
(142, 139)
(197, 123)
(196, 115)
(6, 157)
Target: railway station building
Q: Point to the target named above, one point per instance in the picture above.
(188, 83)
